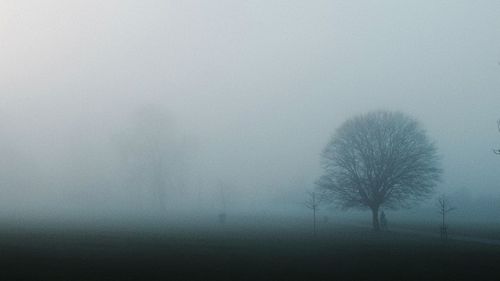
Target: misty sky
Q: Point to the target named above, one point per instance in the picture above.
(252, 89)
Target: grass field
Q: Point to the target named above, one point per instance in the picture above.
(243, 249)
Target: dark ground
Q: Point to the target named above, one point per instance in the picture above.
(225, 252)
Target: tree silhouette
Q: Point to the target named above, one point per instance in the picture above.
(379, 159)
(313, 202)
(444, 208)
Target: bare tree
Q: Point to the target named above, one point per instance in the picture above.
(497, 151)
(379, 159)
(444, 208)
(152, 157)
(313, 202)
(223, 199)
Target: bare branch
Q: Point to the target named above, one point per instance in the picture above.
(444, 206)
(313, 201)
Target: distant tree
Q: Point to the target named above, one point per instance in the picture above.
(497, 151)
(444, 208)
(313, 202)
(223, 199)
(153, 158)
(379, 159)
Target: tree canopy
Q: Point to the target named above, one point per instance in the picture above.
(379, 159)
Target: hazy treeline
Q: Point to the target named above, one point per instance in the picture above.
(142, 164)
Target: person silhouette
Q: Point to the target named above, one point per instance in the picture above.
(383, 221)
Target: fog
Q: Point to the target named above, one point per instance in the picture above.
(228, 104)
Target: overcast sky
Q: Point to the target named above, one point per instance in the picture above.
(257, 87)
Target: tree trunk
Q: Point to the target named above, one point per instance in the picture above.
(443, 220)
(314, 220)
(375, 222)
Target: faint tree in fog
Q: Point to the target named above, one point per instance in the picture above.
(222, 193)
(379, 159)
(444, 207)
(313, 202)
(497, 151)
(152, 156)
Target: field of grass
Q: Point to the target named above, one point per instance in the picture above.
(243, 249)
(465, 229)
